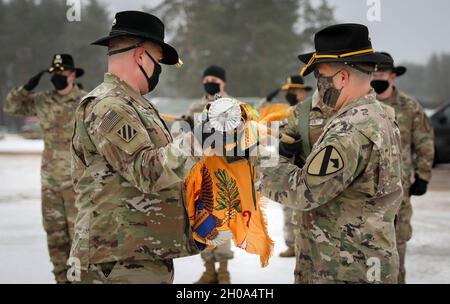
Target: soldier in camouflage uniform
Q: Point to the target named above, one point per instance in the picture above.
(55, 110)
(296, 92)
(214, 82)
(349, 189)
(417, 147)
(128, 172)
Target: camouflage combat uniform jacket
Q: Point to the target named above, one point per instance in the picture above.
(417, 136)
(56, 119)
(128, 177)
(350, 190)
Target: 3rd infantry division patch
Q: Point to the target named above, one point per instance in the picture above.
(327, 161)
(126, 132)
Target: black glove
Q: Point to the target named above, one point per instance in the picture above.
(290, 150)
(419, 187)
(272, 94)
(189, 120)
(34, 81)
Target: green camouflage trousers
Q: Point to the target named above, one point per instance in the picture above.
(58, 214)
(403, 231)
(129, 272)
(221, 253)
(289, 226)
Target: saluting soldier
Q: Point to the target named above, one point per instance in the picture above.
(128, 172)
(349, 189)
(55, 110)
(417, 147)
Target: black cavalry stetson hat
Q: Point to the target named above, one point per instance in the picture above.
(346, 43)
(141, 25)
(389, 65)
(295, 82)
(63, 62)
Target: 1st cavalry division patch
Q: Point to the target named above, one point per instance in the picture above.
(327, 161)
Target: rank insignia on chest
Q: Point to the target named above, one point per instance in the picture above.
(327, 161)
(126, 132)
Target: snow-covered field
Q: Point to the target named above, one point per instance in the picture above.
(24, 256)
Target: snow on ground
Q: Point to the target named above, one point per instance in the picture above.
(24, 256)
(15, 144)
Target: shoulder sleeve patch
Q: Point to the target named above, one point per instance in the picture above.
(110, 120)
(327, 161)
(124, 131)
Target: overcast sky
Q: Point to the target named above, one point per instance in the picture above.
(411, 30)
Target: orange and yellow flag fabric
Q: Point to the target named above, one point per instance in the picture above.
(221, 196)
(270, 108)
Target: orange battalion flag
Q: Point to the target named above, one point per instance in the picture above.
(270, 108)
(221, 196)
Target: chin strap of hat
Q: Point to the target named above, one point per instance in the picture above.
(315, 56)
(125, 49)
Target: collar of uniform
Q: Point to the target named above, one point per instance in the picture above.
(366, 99)
(393, 97)
(135, 96)
(114, 79)
(70, 96)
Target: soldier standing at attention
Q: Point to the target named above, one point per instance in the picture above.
(128, 172)
(417, 147)
(349, 189)
(55, 110)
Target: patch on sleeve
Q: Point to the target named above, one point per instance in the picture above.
(126, 132)
(110, 120)
(327, 161)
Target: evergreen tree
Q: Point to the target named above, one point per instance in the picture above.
(256, 41)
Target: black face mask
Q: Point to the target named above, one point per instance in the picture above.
(212, 88)
(59, 82)
(153, 80)
(380, 86)
(292, 99)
